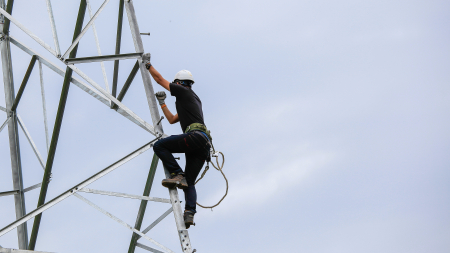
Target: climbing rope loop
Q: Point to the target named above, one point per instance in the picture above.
(219, 168)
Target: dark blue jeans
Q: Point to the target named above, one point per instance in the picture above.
(196, 148)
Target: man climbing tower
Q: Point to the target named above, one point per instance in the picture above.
(195, 142)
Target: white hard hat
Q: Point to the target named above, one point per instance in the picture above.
(184, 75)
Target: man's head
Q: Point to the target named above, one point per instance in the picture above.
(184, 77)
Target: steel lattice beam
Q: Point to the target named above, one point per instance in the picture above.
(57, 128)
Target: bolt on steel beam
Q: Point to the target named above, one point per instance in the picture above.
(24, 83)
(57, 128)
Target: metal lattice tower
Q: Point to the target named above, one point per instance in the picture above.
(106, 96)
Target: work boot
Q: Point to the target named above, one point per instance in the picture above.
(188, 218)
(175, 180)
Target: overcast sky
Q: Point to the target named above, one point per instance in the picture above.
(333, 117)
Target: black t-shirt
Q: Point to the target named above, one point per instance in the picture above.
(188, 104)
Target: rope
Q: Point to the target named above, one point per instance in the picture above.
(219, 168)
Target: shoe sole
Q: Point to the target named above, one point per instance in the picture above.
(170, 184)
(189, 224)
(181, 186)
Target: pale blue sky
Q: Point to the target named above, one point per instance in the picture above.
(333, 116)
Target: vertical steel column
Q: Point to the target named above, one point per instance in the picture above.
(118, 42)
(140, 216)
(16, 166)
(57, 127)
(177, 210)
(7, 22)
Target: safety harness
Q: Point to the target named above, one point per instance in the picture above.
(202, 128)
(198, 127)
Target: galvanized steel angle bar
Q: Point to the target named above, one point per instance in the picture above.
(121, 222)
(118, 43)
(24, 83)
(5, 250)
(99, 96)
(32, 35)
(5, 123)
(56, 128)
(160, 218)
(30, 140)
(78, 38)
(143, 205)
(102, 58)
(7, 22)
(14, 144)
(127, 84)
(52, 23)
(44, 106)
(124, 195)
(60, 71)
(177, 210)
(3, 108)
(32, 187)
(81, 185)
(113, 99)
(9, 193)
(98, 47)
(142, 246)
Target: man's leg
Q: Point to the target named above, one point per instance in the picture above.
(194, 165)
(164, 149)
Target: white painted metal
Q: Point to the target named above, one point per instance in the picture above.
(52, 23)
(72, 190)
(164, 215)
(173, 193)
(98, 47)
(142, 246)
(4, 124)
(75, 42)
(44, 103)
(122, 222)
(32, 35)
(124, 195)
(33, 146)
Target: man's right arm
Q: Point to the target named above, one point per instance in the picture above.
(158, 78)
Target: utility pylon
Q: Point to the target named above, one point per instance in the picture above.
(69, 60)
